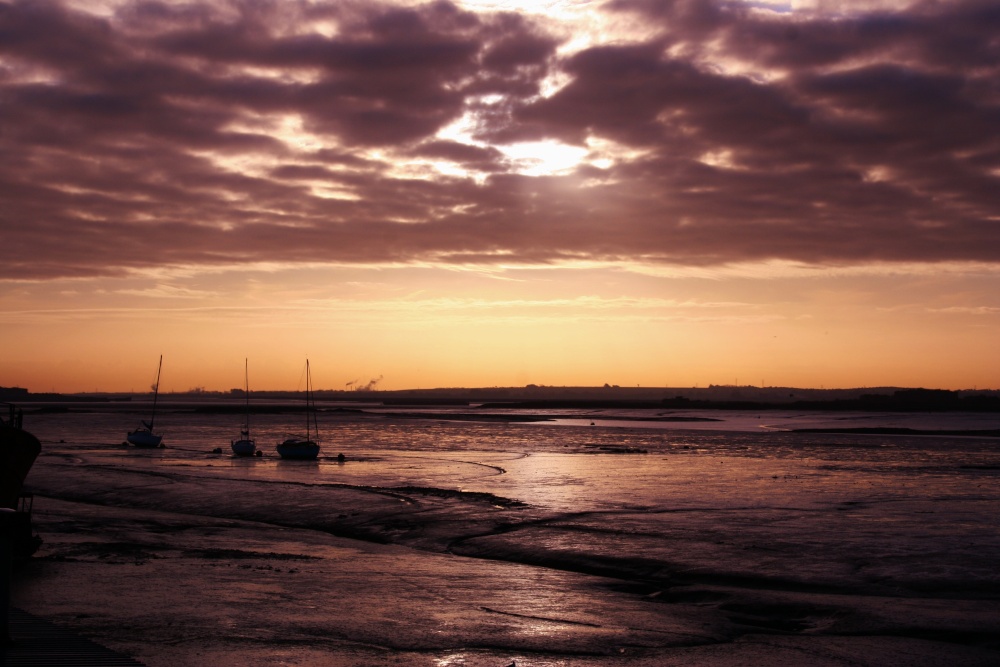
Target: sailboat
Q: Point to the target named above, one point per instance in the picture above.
(303, 448)
(144, 436)
(245, 446)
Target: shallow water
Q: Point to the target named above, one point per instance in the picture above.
(645, 468)
(739, 525)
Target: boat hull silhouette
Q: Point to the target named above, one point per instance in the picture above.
(302, 450)
(144, 438)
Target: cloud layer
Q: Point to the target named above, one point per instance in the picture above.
(215, 133)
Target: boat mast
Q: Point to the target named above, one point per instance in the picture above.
(313, 400)
(310, 418)
(246, 394)
(156, 393)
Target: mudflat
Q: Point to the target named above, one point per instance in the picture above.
(703, 549)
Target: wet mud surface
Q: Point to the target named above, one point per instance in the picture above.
(705, 550)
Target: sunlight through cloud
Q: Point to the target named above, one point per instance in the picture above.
(544, 158)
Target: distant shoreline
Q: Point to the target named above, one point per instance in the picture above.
(539, 399)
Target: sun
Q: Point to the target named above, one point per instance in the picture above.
(543, 158)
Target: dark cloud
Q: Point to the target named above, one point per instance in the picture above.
(473, 157)
(150, 136)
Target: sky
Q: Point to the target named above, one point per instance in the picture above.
(443, 194)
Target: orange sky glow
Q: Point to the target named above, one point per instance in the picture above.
(495, 194)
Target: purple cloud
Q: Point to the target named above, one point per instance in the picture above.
(209, 133)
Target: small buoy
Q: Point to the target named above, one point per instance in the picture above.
(341, 457)
(258, 453)
(217, 450)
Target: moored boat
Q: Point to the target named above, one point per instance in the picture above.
(303, 448)
(143, 436)
(297, 448)
(245, 446)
